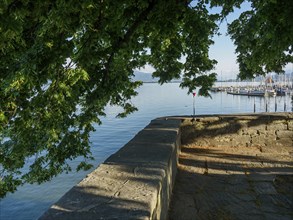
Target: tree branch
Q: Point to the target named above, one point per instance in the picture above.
(126, 38)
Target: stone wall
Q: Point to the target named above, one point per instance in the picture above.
(134, 183)
(269, 132)
(235, 167)
(137, 181)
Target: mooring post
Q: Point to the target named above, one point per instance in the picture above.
(194, 94)
(285, 109)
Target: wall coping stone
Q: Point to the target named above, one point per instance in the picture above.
(134, 183)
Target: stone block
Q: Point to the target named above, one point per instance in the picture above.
(285, 142)
(257, 141)
(290, 125)
(241, 140)
(255, 128)
(284, 134)
(246, 131)
(208, 119)
(277, 125)
(271, 133)
(111, 192)
(269, 142)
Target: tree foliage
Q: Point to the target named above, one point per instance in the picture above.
(63, 61)
(263, 36)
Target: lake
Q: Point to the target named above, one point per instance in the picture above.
(153, 101)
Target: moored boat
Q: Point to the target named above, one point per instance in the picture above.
(248, 92)
(270, 92)
(281, 92)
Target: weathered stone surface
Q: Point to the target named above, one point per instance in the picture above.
(112, 192)
(231, 167)
(223, 179)
(241, 140)
(290, 125)
(284, 134)
(278, 125)
(257, 140)
(207, 119)
(134, 183)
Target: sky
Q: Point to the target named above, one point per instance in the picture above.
(223, 49)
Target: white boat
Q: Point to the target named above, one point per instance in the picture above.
(248, 92)
(256, 93)
(270, 92)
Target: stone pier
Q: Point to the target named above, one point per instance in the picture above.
(228, 167)
(134, 183)
(235, 167)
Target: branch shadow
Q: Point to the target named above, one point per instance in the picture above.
(208, 187)
(227, 125)
(108, 201)
(234, 181)
(229, 156)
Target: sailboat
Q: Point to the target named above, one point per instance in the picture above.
(269, 87)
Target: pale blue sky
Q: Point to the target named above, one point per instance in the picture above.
(223, 49)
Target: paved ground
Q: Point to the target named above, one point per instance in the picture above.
(235, 168)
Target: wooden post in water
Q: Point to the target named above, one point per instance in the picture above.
(254, 106)
(194, 94)
(275, 104)
(285, 106)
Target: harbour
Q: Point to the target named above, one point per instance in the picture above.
(255, 90)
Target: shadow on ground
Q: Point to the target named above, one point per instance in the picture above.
(235, 168)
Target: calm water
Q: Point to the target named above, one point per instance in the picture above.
(153, 101)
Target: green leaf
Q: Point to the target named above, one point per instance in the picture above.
(63, 63)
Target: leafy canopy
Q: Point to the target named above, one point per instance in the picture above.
(263, 36)
(63, 61)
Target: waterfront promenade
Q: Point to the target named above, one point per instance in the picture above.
(235, 167)
(230, 167)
